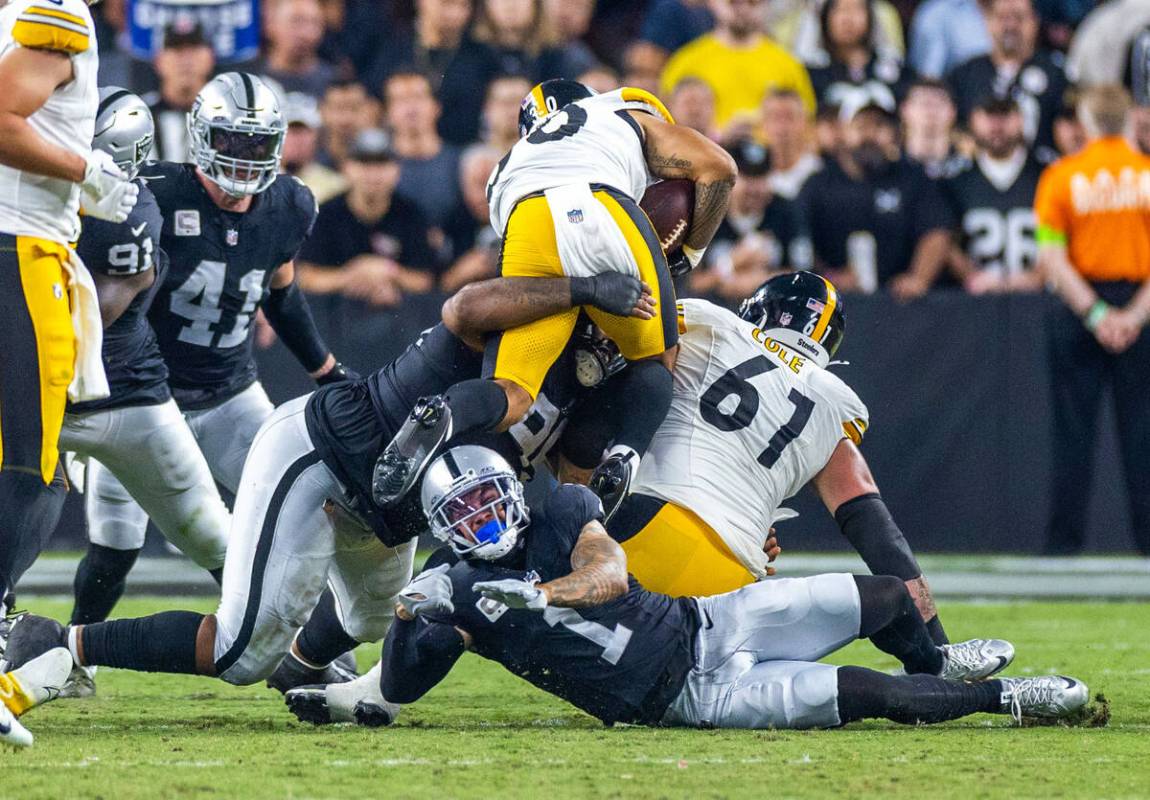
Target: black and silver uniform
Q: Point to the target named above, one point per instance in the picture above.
(136, 372)
(997, 224)
(622, 661)
(221, 265)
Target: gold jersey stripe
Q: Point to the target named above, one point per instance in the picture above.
(55, 12)
(49, 36)
(852, 432)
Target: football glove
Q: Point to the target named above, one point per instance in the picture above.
(337, 374)
(429, 594)
(513, 593)
(106, 193)
(612, 292)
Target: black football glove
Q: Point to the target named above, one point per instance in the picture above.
(612, 292)
(337, 374)
(678, 264)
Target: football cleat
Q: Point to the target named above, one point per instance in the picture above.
(975, 660)
(12, 733)
(611, 480)
(31, 635)
(408, 454)
(359, 701)
(1045, 697)
(37, 681)
(81, 683)
(292, 673)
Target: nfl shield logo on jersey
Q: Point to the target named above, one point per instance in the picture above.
(575, 215)
(232, 237)
(785, 318)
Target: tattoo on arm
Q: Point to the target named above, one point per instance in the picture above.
(710, 208)
(502, 303)
(598, 575)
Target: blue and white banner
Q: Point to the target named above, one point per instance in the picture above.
(232, 26)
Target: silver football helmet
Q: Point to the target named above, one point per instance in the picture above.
(124, 128)
(236, 130)
(474, 502)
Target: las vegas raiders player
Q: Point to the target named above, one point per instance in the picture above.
(993, 198)
(137, 433)
(546, 593)
(302, 516)
(232, 227)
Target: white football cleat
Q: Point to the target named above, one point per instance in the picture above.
(1046, 697)
(81, 683)
(38, 681)
(358, 701)
(975, 660)
(12, 733)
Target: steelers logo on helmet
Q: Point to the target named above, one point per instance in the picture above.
(547, 98)
(800, 309)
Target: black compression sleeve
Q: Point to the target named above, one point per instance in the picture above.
(416, 656)
(648, 384)
(288, 313)
(868, 526)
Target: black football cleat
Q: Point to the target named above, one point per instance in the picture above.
(373, 715)
(309, 704)
(408, 454)
(611, 481)
(292, 673)
(30, 636)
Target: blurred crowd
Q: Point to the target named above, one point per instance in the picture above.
(890, 144)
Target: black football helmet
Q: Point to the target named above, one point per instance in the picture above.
(547, 97)
(801, 309)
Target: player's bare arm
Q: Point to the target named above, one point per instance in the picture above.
(502, 303)
(676, 151)
(29, 77)
(117, 292)
(598, 574)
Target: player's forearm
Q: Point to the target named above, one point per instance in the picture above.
(599, 574)
(501, 303)
(288, 313)
(116, 294)
(23, 149)
(712, 194)
(417, 655)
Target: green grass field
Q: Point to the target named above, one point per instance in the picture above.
(485, 733)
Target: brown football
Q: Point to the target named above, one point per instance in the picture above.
(669, 205)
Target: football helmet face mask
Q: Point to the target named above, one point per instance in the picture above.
(236, 129)
(547, 98)
(800, 309)
(124, 128)
(474, 502)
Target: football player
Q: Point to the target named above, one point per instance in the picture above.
(232, 226)
(302, 518)
(564, 199)
(546, 593)
(48, 170)
(137, 433)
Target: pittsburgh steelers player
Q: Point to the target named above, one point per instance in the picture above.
(48, 171)
(564, 199)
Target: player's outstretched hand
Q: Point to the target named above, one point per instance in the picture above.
(772, 549)
(615, 293)
(106, 193)
(429, 594)
(513, 593)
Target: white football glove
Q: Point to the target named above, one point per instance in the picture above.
(106, 193)
(513, 593)
(428, 594)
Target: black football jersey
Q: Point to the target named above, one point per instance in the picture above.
(221, 265)
(997, 225)
(882, 80)
(132, 361)
(622, 661)
(1038, 88)
(779, 229)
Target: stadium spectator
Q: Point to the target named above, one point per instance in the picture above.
(599, 78)
(472, 244)
(524, 41)
(1094, 251)
(787, 131)
(828, 131)
(571, 20)
(1138, 80)
(739, 62)
(301, 144)
(369, 244)
(928, 116)
(642, 65)
(993, 201)
(429, 168)
(346, 110)
(1099, 50)
(801, 31)
(438, 46)
(692, 103)
(501, 111)
(1069, 137)
(759, 235)
(293, 31)
(849, 58)
(873, 217)
(670, 24)
(1015, 67)
(946, 33)
(184, 64)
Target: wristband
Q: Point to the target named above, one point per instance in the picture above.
(1095, 314)
(582, 292)
(693, 256)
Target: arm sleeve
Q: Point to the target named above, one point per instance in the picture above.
(288, 312)
(417, 655)
(569, 508)
(1049, 209)
(306, 212)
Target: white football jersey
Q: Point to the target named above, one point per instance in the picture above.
(33, 205)
(751, 422)
(589, 141)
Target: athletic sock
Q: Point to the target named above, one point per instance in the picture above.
(164, 642)
(99, 582)
(890, 619)
(476, 405)
(650, 383)
(911, 699)
(323, 639)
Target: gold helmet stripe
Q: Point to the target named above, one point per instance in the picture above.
(828, 310)
(540, 101)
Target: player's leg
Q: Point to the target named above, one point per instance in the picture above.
(673, 551)
(225, 432)
(1131, 376)
(35, 371)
